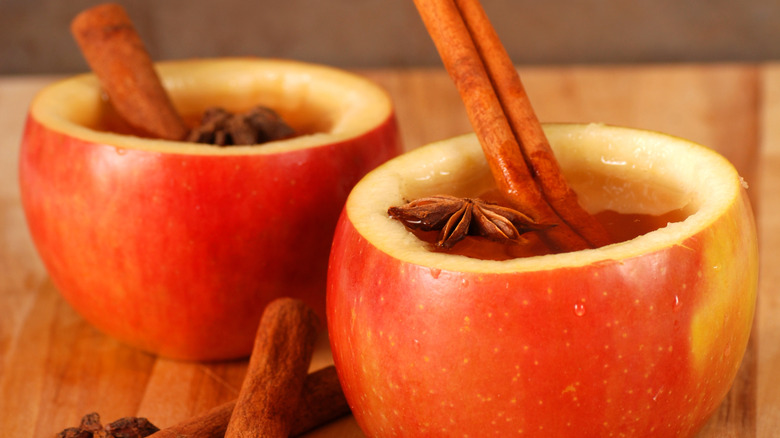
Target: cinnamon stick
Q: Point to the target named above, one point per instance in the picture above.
(322, 401)
(514, 144)
(117, 55)
(526, 126)
(272, 388)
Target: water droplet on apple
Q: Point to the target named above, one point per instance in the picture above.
(120, 151)
(579, 309)
(677, 303)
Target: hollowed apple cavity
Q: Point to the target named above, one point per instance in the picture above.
(680, 186)
(315, 100)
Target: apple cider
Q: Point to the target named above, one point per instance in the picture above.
(620, 226)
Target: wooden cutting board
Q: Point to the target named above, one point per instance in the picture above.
(54, 367)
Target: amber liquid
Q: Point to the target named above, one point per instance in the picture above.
(621, 227)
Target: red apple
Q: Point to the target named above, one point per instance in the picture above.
(176, 247)
(640, 338)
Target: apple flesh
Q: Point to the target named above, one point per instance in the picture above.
(638, 338)
(175, 247)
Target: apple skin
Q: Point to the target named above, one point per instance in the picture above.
(178, 253)
(646, 345)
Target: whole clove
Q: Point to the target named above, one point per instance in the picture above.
(126, 427)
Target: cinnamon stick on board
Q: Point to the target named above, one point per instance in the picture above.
(511, 136)
(117, 55)
(322, 401)
(272, 388)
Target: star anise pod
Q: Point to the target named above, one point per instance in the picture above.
(458, 217)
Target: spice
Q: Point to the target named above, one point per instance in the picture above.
(322, 401)
(222, 128)
(459, 217)
(517, 152)
(116, 54)
(128, 427)
(272, 388)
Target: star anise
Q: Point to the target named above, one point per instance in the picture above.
(458, 217)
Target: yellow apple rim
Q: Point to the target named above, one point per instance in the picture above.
(326, 104)
(648, 172)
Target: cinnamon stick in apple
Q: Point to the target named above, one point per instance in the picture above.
(272, 388)
(117, 55)
(526, 126)
(514, 144)
(322, 401)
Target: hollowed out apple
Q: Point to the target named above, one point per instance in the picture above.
(640, 338)
(176, 247)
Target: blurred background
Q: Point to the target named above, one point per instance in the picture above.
(35, 36)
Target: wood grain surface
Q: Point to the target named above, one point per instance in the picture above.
(54, 367)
